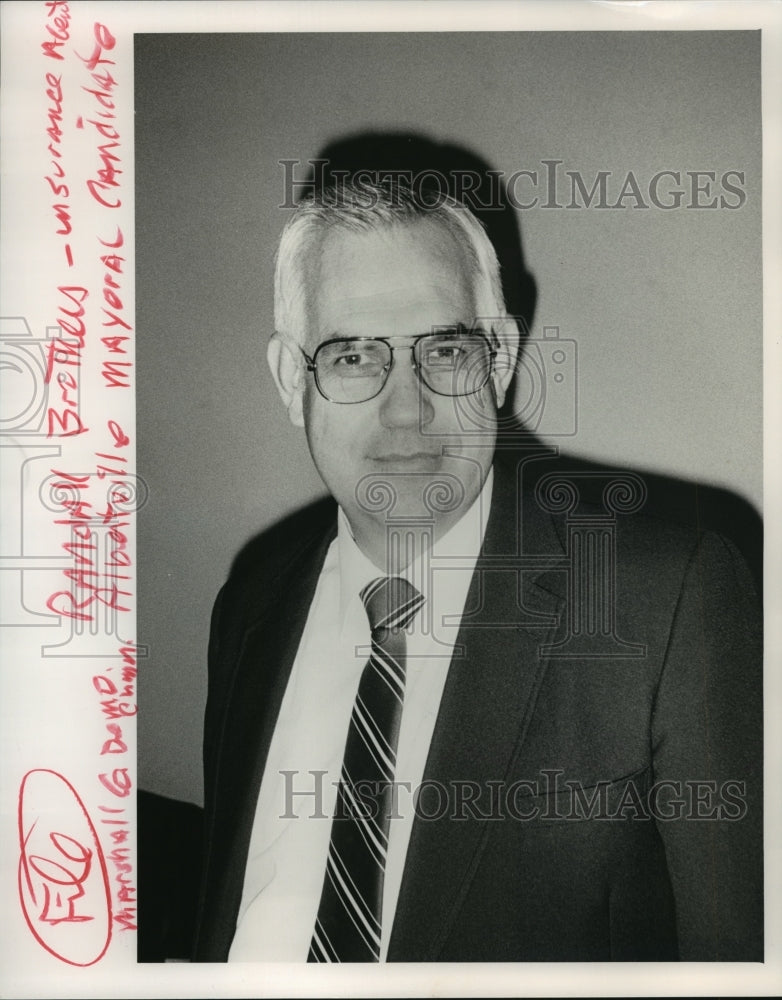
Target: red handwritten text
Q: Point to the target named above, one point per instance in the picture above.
(64, 358)
(56, 177)
(118, 704)
(115, 373)
(63, 880)
(124, 913)
(105, 178)
(91, 582)
(59, 17)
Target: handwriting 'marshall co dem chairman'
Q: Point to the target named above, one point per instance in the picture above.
(402, 631)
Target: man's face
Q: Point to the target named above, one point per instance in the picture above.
(396, 283)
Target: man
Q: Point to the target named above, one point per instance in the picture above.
(451, 718)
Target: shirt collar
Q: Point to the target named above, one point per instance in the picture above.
(462, 543)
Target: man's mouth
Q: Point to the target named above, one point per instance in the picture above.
(401, 457)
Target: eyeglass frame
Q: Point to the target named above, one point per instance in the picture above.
(459, 329)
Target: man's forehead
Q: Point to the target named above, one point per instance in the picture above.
(413, 274)
(426, 239)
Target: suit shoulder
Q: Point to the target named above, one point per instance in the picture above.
(268, 554)
(660, 561)
(676, 513)
(668, 540)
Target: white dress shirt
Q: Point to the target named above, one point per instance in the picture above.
(286, 862)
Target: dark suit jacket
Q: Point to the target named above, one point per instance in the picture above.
(521, 881)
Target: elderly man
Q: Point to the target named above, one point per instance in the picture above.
(418, 746)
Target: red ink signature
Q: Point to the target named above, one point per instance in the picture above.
(63, 880)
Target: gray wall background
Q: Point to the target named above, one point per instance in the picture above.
(665, 305)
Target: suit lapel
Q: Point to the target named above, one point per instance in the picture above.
(487, 701)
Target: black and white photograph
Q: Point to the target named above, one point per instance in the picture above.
(579, 211)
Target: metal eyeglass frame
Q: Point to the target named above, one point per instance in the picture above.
(312, 362)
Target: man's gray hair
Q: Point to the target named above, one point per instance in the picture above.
(361, 206)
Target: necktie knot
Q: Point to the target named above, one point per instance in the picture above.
(391, 603)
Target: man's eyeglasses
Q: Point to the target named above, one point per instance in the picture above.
(452, 362)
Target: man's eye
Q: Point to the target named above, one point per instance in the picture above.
(441, 354)
(364, 361)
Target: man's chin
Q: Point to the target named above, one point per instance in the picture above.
(416, 486)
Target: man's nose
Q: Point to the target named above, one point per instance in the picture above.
(405, 400)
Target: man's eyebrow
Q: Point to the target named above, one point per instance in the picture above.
(443, 328)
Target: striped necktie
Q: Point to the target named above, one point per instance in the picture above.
(347, 927)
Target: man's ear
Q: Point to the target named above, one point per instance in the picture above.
(285, 362)
(507, 334)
